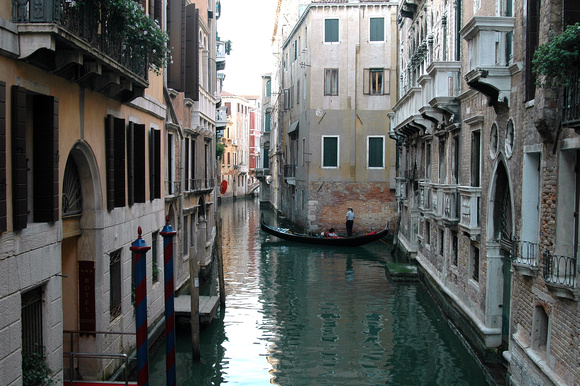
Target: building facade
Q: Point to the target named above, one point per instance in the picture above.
(337, 80)
(483, 181)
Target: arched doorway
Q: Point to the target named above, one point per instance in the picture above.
(81, 200)
(500, 245)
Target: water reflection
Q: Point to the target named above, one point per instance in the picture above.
(303, 314)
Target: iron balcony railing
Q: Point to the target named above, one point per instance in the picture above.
(571, 101)
(560, 270)
(524, 252)
(89, 22)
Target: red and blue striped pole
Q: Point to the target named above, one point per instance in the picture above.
(167, 233)
(139, 249)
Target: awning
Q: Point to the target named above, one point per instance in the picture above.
(293, 127)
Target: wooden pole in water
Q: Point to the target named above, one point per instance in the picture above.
(220, 261)
(194, 291)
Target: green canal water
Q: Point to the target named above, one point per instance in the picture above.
(309, 315)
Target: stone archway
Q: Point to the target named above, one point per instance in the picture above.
(499, 248)
(81, 244)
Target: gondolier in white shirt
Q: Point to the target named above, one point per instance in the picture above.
(349, 222)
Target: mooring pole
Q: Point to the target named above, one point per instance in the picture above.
(139, 249)
(220, 261)
(194, 293)
(167, 233)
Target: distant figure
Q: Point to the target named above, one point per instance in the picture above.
(349, 222)
(332, 233)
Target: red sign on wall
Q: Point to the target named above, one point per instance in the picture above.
(87, 317)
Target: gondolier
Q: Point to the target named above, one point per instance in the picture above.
(349, 222)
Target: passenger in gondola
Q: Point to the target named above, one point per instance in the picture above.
(332, 233)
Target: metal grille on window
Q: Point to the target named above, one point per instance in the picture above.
(32, 322)
(72, 199)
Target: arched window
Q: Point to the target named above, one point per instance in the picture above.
(72, 199)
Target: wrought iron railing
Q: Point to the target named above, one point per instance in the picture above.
(524, 252)
(571, 100)
(560, 270)
(89, 22)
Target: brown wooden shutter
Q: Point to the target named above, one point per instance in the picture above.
(366, 81)
(186, 166)
(192, 52)
(3, 187)
(131, 163)
(19, 178)
(139, 162)
(110, 159)
(45, 158)
(154, 164)
(176, 31)
(119, 162)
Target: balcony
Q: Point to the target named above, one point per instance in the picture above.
(80, 44)
(571, 102)
(490, 40)
(445, 204)
(560, 275)
(470, 201)
(407, 120)
(524, 256)
(445, 88)
(220, 59)
(201, 184)
(426, 199)
(221, 118)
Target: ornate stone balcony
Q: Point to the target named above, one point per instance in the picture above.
(489, 41)
(79, 44)
(401, 188)
(470, 208)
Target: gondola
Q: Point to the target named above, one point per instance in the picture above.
(354, 241)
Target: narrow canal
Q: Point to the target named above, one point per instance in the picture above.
(302, 315)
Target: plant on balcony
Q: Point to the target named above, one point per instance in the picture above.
(556, 60)
(141, 35)
(219, 149)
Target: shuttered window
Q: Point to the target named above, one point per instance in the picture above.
(176, 32)
(532, 40)
(331, 30)
(3, 187)
(186, 164)
(154, 164)
(376, 81)
(139, 162)
(376, 152)
(43, 110)
(377, 29)
(192, 52)
(115, 149)
(330, 152)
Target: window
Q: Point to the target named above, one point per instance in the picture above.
(442, 161)
(540, 326)
(475, 157)
(376, 151)
(34, 158)
(115, 284)
(330, 151)
(474, 252)
(441, 242)
(170, 165)
(31, 309)
(331, 30)
(154, 257)
(155, 164)
(427, 233)
(532, 41)
(455, 160)
(136, 162)
(287, 99)
(185, 236)
(267, 119)
(304, 88)
(377, 30)
(269, 88)
(331, 81)
(454, 247)
(376, 81)
(266, 158)
(428, 162)
(298, 92)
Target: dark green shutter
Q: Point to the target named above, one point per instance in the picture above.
(331, 30)
(192, 52)
(330, 152)
(139, 162)
(131, 163)
(154, 164)
(375, 152)
(377, 29)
